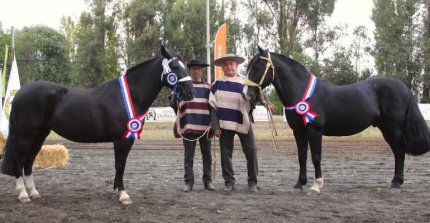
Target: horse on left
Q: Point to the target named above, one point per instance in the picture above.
(111, 112)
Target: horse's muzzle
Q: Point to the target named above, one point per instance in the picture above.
(189, 95)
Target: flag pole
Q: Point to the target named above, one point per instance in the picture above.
(208, 41)
(3, 75)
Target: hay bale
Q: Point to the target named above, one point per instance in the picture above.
(2, 144)
(52, 156)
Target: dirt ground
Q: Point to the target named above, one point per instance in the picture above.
(356, 175)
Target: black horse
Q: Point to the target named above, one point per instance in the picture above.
(314, 107)
(93, 115)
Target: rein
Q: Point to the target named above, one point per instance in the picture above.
(248, 82)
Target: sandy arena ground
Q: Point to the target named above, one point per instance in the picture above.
(356, 173)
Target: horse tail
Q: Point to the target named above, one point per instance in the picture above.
(416, 131)
(9, 163)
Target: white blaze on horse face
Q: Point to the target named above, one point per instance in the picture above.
(182, 64)
(245, 91)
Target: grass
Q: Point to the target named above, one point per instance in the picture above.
(262, 131)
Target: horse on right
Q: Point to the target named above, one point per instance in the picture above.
(315, 107)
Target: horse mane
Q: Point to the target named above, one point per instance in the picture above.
(142, 64)
(291, 62)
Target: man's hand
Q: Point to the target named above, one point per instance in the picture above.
(217, 133)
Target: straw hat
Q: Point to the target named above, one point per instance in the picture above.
(228, 57)
(197, 63)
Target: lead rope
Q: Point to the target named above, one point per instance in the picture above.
(179, 130)
(271, 123)
(214, 161)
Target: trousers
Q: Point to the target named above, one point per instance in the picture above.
(249, 149)
(205, 148)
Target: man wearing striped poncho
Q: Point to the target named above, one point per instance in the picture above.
(194, 122)
(230, 116)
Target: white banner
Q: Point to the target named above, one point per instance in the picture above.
(166, 114)
(425, 110)
(12, 87)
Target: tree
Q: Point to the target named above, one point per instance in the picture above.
(143, 21)
(340, 70)
(42, 54)
(360, 46)
(397, 40)
(426, 51)
(5, 39)
(96, 54)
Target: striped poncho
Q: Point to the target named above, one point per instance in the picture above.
(194, 116)
(232, 108)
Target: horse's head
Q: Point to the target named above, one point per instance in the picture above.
(175, 76)
(260, 74)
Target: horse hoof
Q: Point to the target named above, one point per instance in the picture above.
(35, 196)
(298, 186)
(395, 185)
(126, 201)
(24, 199)
(313, 193)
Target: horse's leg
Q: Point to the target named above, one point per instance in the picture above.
(315, 140)
(28, 166)
(393, 135)
(302, 147)
(23, 146)
(122, 148)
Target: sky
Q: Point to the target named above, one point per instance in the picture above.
(20, 13)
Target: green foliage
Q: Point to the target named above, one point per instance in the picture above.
(143, 22)
(96, 45)
(340, 70)
(42, 54)
(5, 39)
(274, 99)
(396, 39)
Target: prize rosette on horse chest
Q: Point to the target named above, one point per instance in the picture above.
(303, 108)
(134, 124)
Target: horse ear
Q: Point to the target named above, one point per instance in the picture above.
(262, 51)
(164, 52)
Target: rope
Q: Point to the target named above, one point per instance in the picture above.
(214, 161)
(179, 130)
(271, 122)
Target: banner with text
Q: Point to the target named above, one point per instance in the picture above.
(166, 114)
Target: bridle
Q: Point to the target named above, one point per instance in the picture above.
(172, 79)
(269, 65)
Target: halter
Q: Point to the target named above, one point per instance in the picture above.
(135, 124)
(269, 65)
(248, 82)
(171, 79)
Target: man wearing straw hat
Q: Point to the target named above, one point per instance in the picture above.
(193, 124)
(230, 116)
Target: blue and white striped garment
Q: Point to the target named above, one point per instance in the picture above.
(194, 115)
(227, 99)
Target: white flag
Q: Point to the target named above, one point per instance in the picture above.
(13, 86)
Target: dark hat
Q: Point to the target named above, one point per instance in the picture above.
(196, 62)
(228, 57)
